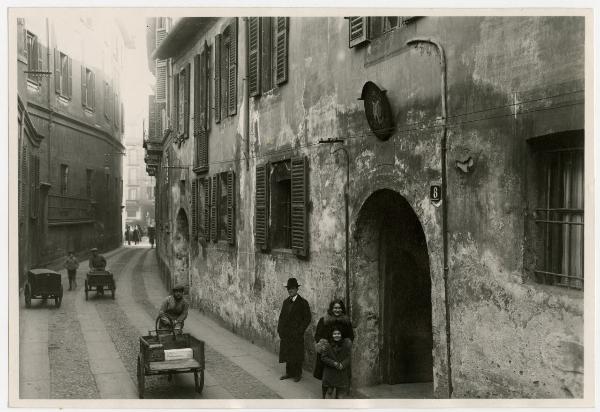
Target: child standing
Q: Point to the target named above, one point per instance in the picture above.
(71, 264)
(336, 362)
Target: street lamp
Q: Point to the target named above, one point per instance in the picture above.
(346, 201)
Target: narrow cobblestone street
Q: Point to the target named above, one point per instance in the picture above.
(88, 349)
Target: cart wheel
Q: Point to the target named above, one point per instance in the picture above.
(140, 377)
(27, 294)
(199, 381)
(113, 291)
(86, 289)
(58, 299)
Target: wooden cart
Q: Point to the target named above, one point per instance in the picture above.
(151, 360)
(43, 284)
(99, 280)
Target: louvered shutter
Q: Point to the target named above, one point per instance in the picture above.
(122, 119)
(281, 57)
(206, 209)
(261, 213)
(23, 182)
(358, 30)
(186, 103)
(37, 186)
(70, 77)
(57, 71)
(84, 99)
(299, 199)
(231, 207)
(194, 208)
(213, 207)
(31, 183)
(151, 118)
(218, 78)
(39, 54)
(197, 127)
(92, 87)
(253, 56)
(175, 119)
(266, 57)
(233, 59)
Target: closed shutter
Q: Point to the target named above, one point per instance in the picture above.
(261, 229)
(194, 209)
(186, 102)
(299, 198)
(206, 209)
(218, 78)
(92, 91)
(231, 207)
(253, 56)
(57, 71)
(151, 118)
(266, 44)
(161, 80)
(70, 77)
(213, 207)
(84, 99)
(175, 119)
(232, 76)
(358, 31)
(281, 41)
(197, 127)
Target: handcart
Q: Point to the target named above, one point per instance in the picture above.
(43, 284)
(163, 352)
(99, 280)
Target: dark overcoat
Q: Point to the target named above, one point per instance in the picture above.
(341, 353)
(293, 321)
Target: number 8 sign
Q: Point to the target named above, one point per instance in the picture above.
(435, 193)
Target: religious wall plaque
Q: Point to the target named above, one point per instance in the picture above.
(377, 110)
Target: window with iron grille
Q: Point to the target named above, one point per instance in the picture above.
(222, 201)
(559, 211)
(34, 56)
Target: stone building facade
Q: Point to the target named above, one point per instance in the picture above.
(70, 133)
(428, 170)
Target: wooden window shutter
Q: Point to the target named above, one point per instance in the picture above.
(231, 207)
(40, 56)
(194, 208)
(92, 88)
(23, 182)
(122, 118)
(197, 87)
(70, 77)
(358, 32)
(205, 82)
(84, 99)
(186, 101)
(206, 209)
(299, 199)
(261, 213)
(253, 56)
(281, 57)
(232, 75)
(266, 44)
(57, 71)
(175, 120)
(213, 207)
(218, 78)
(151, 118)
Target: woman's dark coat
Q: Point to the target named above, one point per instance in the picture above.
(337, 352)
(328, 322)
(293, 321)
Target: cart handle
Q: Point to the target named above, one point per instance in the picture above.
(170, 324)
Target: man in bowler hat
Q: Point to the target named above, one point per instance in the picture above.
(293, 321)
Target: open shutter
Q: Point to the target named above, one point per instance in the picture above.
(70, 77)
(281, 41)
(213, 207)
(83, 87)
(38, 52)
(206, 209)
(266, 56)
(92, 91)
(194, 209)
(358, 30)
(253, 56)
(186, 101)
(299, 198)
(231, 207)
(218, 78)
(151, 118)
(57, 71)
(261, 235)
(197, 92)
(232, 75)
(175, 119)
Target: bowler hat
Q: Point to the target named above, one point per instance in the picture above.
(178, 286)
(292, 283)
(94, 249)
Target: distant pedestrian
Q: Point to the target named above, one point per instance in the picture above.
(151, 236)
(136, 236)
(336, 357)
(293, 321)
(128, 235)
(71, 264)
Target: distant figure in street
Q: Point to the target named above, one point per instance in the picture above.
(128, 235)
(151, 236)
(293, 321)
(174, 310)
(336, 355)
(71, 264)
(136, 235)
(97, 261)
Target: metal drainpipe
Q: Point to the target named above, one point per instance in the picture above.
(415, 42)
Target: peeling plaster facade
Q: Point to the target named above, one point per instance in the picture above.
(509, 79)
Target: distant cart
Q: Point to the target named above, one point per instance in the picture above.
(99, 280)
(152, 358)
(43, 284)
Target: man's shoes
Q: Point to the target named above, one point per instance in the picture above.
(297, 378)
(284, 377)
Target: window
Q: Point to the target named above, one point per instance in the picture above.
(216, 214)
(175, 105)
(133, 176)
(88, 182)
(34, 179)
(88, 88)
(222, 213)
(201, 109)
(161, 81)
(226, 72)
(150, 193)
(183, 102)
(64, 179)
(107, 100)
(133, 193)
(281, 206)
(63, 69)
(133, 157)
(363, 29)
(559, 211)
(267, 53)
(34, 56)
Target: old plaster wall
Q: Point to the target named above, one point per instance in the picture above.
(509, 336)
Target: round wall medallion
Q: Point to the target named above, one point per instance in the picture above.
(377, 110)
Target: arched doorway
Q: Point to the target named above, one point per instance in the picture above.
(391, 293)
(181, 250)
